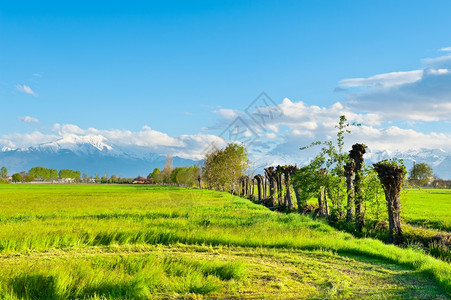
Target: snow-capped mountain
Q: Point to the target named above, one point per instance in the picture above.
(91, 154)
(438, 159)
(80, 145)
(95, 154)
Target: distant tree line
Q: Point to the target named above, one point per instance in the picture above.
(46, 174)
(186, 176)
(4, 175)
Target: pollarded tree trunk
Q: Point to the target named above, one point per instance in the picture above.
(297, 193)
(288, 171)
(320, 202)
(391, 177)
(349, 173)
(253, 189)
(259, 179)
(271, 176)
(322, 198)
(242, 184)
(357, 152)
(326, 204)
(198, 180)
(248, 182)
(288, 200)
(279, 185)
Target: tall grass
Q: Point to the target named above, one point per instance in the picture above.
(124, 277)
(42, 218)
(428, 208)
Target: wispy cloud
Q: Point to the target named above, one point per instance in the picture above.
(227, 113)
(145, 140)
(299, 125)
(28, 119)
(446, 49)
(25, 89)
(391, 79)
(418, 95)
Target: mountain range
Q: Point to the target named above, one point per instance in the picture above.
(94, 154)
(438, 159)
(90, 154)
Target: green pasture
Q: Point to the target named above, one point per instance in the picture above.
(428, 208)
(141, 242)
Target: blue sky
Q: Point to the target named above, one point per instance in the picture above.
(181, 67)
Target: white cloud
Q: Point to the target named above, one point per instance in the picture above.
(437, 62)
(446, 49)
(391, 79)
(301, 124)
(26, 89)
(143, 141)
(227, 113)
(298, 126)
(438, 71)
(24, 140)
(394, 138)
(419, 95)
(28, 119)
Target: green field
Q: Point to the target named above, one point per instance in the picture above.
(428, 208)
(138, 242)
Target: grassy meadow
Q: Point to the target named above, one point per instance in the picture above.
(428, 208)
(143, 242)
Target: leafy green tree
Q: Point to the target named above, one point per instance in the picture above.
(3, 172)
(223, 167)
(175, 176)
(156, 175)
(373, 195)
(421, 173)
(17, 177)
(333, 160)
(185, 175)
(104, 178)
(43, 173)
(67, 173)
(307, 182)
(28, 178)
(113, 179)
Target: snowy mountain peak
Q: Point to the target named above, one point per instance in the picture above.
(438, 159)
(81, 145)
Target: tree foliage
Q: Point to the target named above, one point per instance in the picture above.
(332, 158)
(67, 173)
(17, 177)
(156, 176)
(308, 180)
(185, 175)
(421, 173)
(224, 167)
(3, 172)
(43, 173)
(327, 173)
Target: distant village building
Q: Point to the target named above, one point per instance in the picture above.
(142, 180)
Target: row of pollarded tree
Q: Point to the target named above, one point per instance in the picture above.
(343, 192)
(274, 189)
